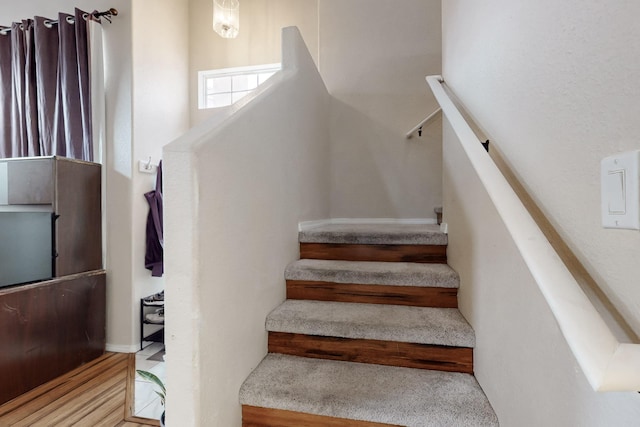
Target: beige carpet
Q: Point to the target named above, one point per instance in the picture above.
(384, 394)
(373, 273)
(374, 234)
(422, 325)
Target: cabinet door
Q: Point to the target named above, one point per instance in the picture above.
(50, 329)
(30, 182)
(79, 223)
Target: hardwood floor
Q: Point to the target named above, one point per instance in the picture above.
(99, 393)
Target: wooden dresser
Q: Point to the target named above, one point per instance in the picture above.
(53, 322)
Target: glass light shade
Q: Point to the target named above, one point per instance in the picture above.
(226, 18)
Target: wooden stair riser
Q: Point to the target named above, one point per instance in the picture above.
(391, 353)
(373, 294)
(253, 416)
(436, 254)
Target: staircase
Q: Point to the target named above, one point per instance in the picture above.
(370, 335)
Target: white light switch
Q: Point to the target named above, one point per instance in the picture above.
(614, 189)
(620, 181)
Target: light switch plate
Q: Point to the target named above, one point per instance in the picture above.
(620, 190)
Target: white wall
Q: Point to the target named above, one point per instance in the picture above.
(521, 359)
(555, 85)
(160, 114)
(261, 23)
(374, 55)
(237, 186)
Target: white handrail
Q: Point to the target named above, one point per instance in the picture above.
(608, 364)
(419, 126)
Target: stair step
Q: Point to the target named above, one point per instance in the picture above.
(375, 234)
(369, 393)
(373, 273)
(400, 283)
(375, 242)
(420, 325)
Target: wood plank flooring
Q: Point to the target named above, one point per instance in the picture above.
(99, 393)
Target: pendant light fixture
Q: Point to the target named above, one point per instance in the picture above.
(226, 18)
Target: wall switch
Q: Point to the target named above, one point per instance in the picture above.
(620, 190)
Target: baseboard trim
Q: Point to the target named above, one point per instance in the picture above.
(308, 225)
(116, 348)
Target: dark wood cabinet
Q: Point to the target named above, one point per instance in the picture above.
(48, 329)
(76, 203)
(55, 321)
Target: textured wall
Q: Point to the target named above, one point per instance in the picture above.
(374, 55)
(521, 359)
(238, 185)
(160, 114)
(258, 42)
(556, 85)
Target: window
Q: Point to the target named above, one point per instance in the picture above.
(219, 88)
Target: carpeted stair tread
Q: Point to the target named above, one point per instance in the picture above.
(383, 394)
(421, 325)
(375, 234)
(373, 273)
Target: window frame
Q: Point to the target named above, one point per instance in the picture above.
(204, 76)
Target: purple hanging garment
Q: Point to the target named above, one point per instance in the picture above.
(153, 258)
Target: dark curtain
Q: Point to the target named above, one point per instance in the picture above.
(45, 99)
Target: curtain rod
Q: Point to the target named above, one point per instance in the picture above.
(107, 14)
